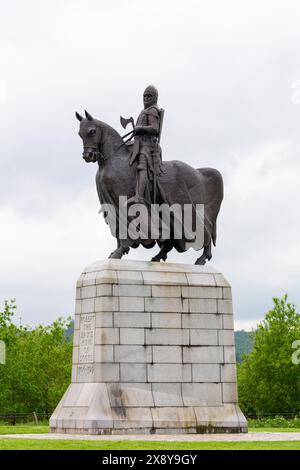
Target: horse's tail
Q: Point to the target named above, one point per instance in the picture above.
(214, 233)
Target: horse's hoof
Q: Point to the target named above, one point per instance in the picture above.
(115, 255)
(200, 262)
(158, 258)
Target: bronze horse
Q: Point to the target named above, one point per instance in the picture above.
(179, 182)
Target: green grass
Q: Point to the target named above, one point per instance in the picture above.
(31, 444)
(44, 444)
(24, 429)
(44, 428)
(274, 430)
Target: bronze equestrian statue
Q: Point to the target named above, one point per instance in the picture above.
(135, 170)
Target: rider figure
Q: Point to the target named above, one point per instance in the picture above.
(146, 148)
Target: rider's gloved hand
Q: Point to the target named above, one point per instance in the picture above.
(139, 130)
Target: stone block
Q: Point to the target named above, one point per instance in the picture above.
(167, 354)
(217, 417)
(202, 394)
(227, 294)
(229, 393)
(166, 291)
(78, 307)
(163, 304)
(99, 414)
(89, 279)
(228, 373)
(131, 304)
(203, 337)
(129, 277)
(85, 373)
(173, 417)
(163, 278)
(201, 292)
(206, 373)
(201, 320)
(166, 320)
(134, 319)
(107, 336)
(133, 372)
(130, 394)
(169, 373)
(229, 354)
(104, 319)
(86, 394)
(88, 292)
(203, 305)
(129, 353)
(228, 323)
(104, 290)
(203, 354)
(200, 279)
(80, 281)
(124, 290)
(225, 306)
(78, 293)
(88, 306)
(226, 338)
(106, 304)
(133, 419)
(107, 372)
(106, 277)
(165, 336)
(220, 280)
(72, 394)
(104, 353)
(167, 394)
(132, 336)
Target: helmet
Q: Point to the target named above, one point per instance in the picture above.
(150, 96)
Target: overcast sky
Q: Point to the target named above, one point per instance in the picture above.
(228, 75)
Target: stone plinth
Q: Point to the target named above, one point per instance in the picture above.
(153, 352)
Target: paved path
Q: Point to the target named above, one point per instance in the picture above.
(251, 436)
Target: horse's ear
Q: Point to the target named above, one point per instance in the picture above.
(88, 116)
(79, 117)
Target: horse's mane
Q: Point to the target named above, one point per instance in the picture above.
(108, 128)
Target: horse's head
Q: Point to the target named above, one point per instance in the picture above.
(90, 132)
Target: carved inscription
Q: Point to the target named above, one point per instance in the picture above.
(86, 338)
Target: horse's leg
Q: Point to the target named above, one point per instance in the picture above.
(166, 247)
(120, 251)
(206, 255)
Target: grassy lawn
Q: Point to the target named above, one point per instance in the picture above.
(24, 429)
(31, 444)
(44, 428)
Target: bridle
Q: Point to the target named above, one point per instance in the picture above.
(96, 150)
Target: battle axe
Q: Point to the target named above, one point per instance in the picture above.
(124, 122)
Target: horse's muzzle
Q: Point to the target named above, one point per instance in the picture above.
(91, 156)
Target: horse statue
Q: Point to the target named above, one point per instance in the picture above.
(179, 184)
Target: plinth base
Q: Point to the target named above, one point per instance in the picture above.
(153, 352)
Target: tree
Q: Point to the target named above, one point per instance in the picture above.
(269, 382)
(38, 364)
